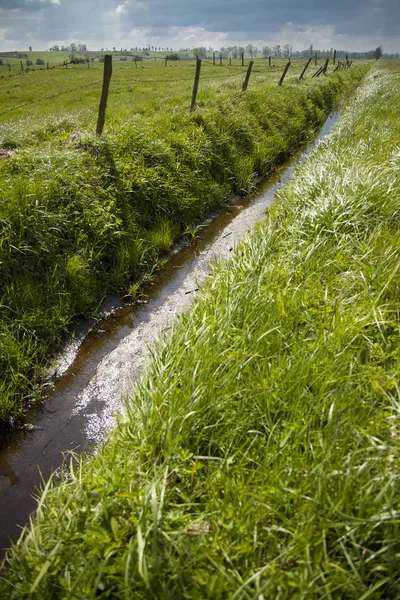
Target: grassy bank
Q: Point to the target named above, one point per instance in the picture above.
(80, 216)
(260, 457)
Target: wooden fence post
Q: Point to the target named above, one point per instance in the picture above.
(325, 67)
(166, 61)
(305, 69)
(230, 61)
(220, 60)
(22, 66)
(285, 70)
(196, 84)
(317, 73)
(242, 59)
(214, 59)
(104, 94)
(9, 66)
(334, 57)
(269, 61)
(246, 81)
(315, 58)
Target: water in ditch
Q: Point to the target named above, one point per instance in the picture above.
(106, 359)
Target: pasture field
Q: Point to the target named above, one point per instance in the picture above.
(81, 216)
(143, 89)
(260, 456)
(53, 58)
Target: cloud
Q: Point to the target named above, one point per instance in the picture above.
(122, 7)
(360, 24)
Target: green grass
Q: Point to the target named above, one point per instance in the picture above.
(260, 456)
(81, 216)
(53, 58)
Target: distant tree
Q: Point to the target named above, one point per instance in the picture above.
(277, 51)
(287, 49)
(266, 52)
(235, 51)
(250, 50)
(200, 52)
(29, 63)
(172, 56)
(40, 61)
(378, 52)
(30, 48)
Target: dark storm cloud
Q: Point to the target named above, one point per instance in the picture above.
(348, 16)
(47, 20)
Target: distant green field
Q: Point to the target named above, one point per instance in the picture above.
(54, 58)
(143, 87)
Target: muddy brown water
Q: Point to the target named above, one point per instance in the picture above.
(105, 360)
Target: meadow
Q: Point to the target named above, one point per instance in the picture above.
(260, 455)
(82, 215)
(12, 64)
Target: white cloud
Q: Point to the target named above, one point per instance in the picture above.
(121, 8)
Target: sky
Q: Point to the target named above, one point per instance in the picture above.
(353, 25)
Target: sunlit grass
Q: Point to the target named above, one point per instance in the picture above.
(260, 456)
(81, 215)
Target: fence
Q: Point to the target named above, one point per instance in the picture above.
(232, 71)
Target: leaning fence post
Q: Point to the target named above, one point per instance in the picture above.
(242, 59)
(318, 73)
(196, 84)
(325, 67)
(285, 70)
(104, 94)
(246, 81)
(305, 69)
